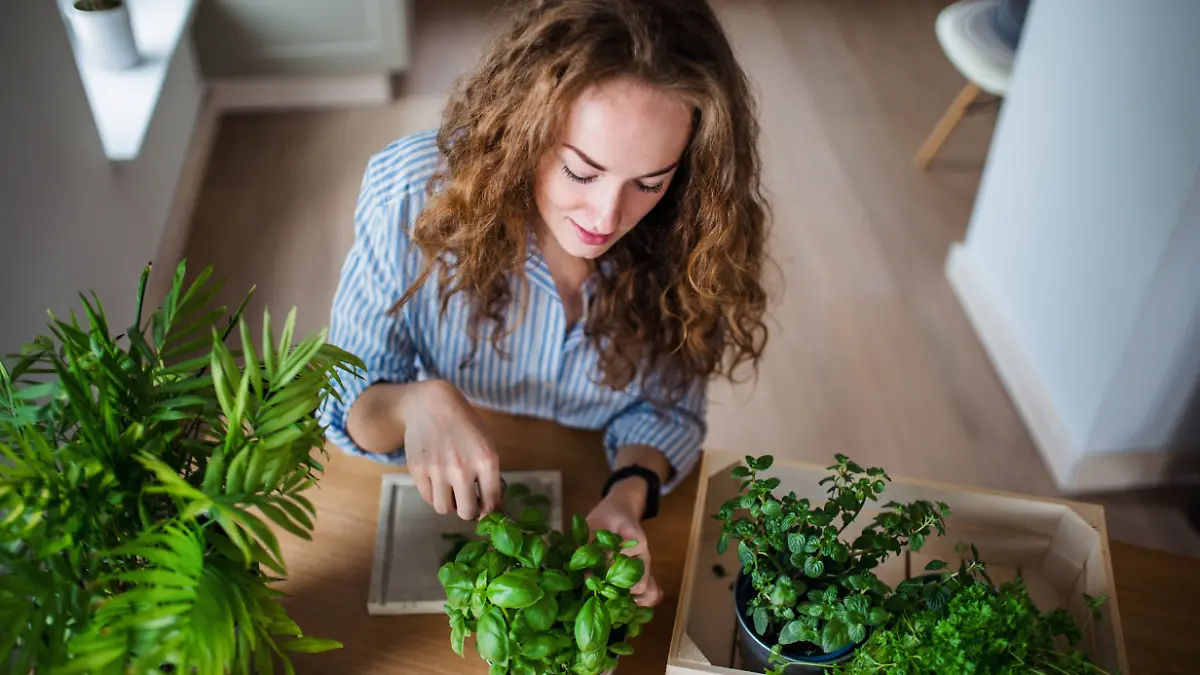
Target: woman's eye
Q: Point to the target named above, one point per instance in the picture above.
(576, 177)
(651, 188)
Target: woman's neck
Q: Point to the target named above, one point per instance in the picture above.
(568, 272)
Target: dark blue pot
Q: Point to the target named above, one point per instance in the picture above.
(755, 650)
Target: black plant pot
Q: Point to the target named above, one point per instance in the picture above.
(755, 650)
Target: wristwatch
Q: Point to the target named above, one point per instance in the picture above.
(653, 485)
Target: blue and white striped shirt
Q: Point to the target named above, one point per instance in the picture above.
(547, 372)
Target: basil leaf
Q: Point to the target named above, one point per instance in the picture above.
(570, 612)
(556, 581)
(579, 529)
(491, 636)
(453, 575)
(530, 518)
(541, 614)
(507, 539)
(535, 549)
(592, 626)
(514, 591)
(621, 648)
(586, 556)
(539, 648)
(471, 551)
(607, 539)
(625, 571)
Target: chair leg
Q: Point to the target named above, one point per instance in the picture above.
(950, 119)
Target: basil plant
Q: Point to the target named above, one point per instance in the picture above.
(539, 601)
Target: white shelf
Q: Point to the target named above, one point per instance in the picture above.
(123, 101)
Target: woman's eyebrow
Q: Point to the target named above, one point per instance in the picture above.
(592, 163)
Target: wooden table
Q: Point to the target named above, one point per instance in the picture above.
(1159, 593)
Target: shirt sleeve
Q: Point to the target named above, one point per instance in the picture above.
(377, 269)
(677, 431)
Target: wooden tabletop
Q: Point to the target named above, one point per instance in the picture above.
(1158, 593)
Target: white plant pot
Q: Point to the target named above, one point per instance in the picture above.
(104, 38)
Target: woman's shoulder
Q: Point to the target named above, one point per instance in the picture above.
(403, 168)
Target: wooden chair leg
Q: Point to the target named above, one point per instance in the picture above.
(953, 115)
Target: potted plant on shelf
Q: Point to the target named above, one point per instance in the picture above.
(960, 621)
(805, 596)
(540, 601)
(138, 476)
(103, 33)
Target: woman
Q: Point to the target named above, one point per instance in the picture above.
(581, 240)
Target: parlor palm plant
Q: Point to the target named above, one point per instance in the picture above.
(137, 479)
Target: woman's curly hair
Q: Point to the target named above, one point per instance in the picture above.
(682, 298)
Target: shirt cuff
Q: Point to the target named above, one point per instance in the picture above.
(334, 413)
(677, 434)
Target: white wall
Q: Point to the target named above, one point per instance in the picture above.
(71, 220)
(1086, 231)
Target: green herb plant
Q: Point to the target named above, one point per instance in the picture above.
(135, 477)
(961, 622)
(541, 601)
(814, 590)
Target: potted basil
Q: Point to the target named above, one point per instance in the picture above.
(542, 602)
(806, 596)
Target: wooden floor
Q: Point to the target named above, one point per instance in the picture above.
(870, 354)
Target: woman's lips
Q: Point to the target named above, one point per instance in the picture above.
(588, 237)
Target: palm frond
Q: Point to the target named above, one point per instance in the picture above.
(142, 479)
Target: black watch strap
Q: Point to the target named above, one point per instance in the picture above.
(653, 485)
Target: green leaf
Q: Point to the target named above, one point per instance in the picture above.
(857, 632)
(740, 472)
(813, 567)
(723, 543)
(514, 591)
(793, 631)
(834, 635)
(310, 645)
(916, 541)
(592, 626)
(744, 553)
(625, 571)
(607, 539)
(761, 620)
(621, 648)
(935, 565)
(877, 616)
(491, 636)
(541, 614)
(796, 542)
(764, 462)
(507, 539)
(772, 508)
(539, 648)
(586, 556)
(579, 529)
(556, 581)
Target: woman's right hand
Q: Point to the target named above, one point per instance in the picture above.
(447, 451)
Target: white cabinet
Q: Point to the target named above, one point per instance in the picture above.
(302, 37)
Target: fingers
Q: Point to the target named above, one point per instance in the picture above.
(443, 493)
(651, 595)
(488, 474)
(465, 501)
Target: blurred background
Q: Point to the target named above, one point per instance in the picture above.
(986, 214)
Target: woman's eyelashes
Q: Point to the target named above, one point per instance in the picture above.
(588, 179)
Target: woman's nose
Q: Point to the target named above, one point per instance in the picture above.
(608, 208)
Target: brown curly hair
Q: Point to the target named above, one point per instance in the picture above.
(684, 298)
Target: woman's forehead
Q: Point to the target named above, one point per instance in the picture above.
(628, 128)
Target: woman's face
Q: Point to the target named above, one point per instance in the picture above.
(619, 152)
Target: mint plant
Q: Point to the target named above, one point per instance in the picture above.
(541, 601)
(960, 622)
(814, 590)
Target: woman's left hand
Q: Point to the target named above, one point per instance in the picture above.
(620, 513)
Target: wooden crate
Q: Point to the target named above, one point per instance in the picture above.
(1060, 548)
